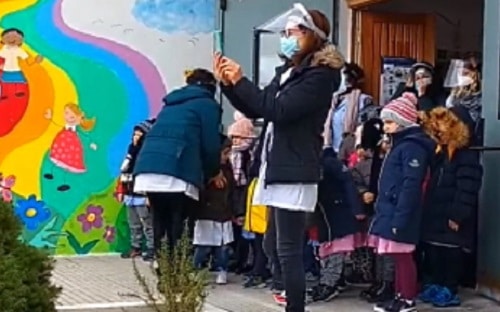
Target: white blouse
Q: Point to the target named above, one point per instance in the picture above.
(162, 183)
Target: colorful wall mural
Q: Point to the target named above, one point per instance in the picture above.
(75, 76)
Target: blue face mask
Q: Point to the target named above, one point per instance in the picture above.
(289, 46)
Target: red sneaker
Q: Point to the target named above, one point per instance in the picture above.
(280, 299)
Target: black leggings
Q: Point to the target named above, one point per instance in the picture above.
(169, 212)
(290, 227)
(444, 265)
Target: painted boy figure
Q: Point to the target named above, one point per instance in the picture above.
(14, 92)
(139, 217)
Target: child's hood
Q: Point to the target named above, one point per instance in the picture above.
(457, 121)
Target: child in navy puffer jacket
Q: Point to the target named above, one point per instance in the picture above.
(395, 229)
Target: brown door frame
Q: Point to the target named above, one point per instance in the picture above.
(357, 4)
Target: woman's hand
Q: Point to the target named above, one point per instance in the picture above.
(231, 70)
(217, 67)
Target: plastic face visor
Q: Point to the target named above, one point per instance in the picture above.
(292, 19)
(458, 74)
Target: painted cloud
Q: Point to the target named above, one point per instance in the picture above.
(172, 16)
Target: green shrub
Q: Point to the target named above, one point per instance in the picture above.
(182, 286)
(25, 271)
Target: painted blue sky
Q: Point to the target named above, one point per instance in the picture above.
(171, 16)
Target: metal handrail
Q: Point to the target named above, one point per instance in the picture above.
(485, 148)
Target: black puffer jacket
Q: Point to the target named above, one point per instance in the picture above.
(298, 109)
(453, 189)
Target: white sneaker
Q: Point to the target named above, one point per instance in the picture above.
(221, 278)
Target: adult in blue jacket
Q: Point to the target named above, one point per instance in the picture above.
(180, 153)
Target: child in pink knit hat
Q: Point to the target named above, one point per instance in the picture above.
(395, 228)
(241, 132)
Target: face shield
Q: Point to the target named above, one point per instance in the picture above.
(458, 75)
(296, 16)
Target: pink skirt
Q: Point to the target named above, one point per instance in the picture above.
(385, 246)
(345, 244)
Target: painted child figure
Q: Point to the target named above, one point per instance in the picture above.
(139, 217)
(395, 228)
(67, 150)
(337, 215)
(14, 91)
(451, 204)
(213, 230)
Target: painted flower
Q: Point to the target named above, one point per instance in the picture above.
(109, 234)
(32, 212)
(92, 218)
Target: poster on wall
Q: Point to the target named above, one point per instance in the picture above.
(395, 70)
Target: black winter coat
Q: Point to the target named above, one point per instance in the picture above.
(338, 202)
(452, 194)
(453, 189)
(298, 109)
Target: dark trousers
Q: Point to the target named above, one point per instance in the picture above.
(444, 265)
(259, 258)
(169, 212)
(241, 248)
(271, 250)
(311, 264)
(290, 227)
(220, 257)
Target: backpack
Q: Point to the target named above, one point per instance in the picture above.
(256, 215)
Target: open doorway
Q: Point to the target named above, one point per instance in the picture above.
(435, 31)
(406, 31)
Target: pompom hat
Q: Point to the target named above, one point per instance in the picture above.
(242, 127)
(402, 110)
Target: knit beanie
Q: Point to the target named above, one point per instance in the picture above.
(241, 127)
(402, 110)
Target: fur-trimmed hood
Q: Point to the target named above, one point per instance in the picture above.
(448, 127)
(329, 56)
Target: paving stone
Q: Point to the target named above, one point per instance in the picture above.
(108, 284)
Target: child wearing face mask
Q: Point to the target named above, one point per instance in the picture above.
(241, 132)
(395, 227)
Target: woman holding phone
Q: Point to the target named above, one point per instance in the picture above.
(294, 107)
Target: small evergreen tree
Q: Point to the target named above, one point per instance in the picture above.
(25, 271)
(182, 286)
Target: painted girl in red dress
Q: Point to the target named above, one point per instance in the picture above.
(66, 151)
